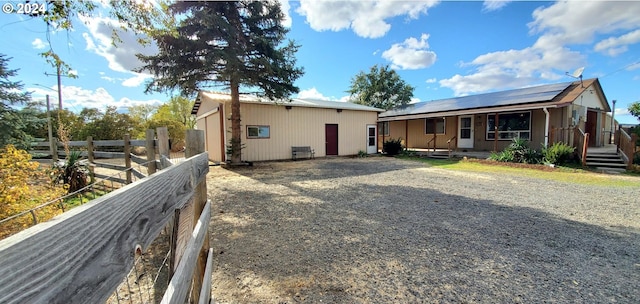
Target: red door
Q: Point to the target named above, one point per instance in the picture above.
(591, 128)
(331, 139)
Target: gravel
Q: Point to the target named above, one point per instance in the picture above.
(384, 230)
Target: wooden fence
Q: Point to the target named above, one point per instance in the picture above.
(626, 146)
(572, 136)
(90, 149)
(84, 254)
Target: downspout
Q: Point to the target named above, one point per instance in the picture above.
(546, 126)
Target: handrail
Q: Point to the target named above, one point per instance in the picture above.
(582, 145)
(626, 146)
(449, 144)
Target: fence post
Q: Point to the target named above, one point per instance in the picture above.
(90, 156)
(584, 149)
(632, 150)
(151, 152)
(195, 146)
(54, 149)
(127, 156)
(163, 141)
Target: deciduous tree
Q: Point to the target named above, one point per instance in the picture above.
(382, 88)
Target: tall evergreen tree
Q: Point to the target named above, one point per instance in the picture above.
(13, 122)
(231, 43)
(382, 88)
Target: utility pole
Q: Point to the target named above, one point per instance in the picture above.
(59, 86)
(58, 75)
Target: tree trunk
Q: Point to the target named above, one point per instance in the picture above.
(236, 141)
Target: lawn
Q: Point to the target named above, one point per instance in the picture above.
(560, 174)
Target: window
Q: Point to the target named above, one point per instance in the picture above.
(439, 124)
(258, 132)
(510, 125)
(383, 128)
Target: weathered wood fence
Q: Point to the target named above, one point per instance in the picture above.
(83, 255)
(91, 150)
(626, 146)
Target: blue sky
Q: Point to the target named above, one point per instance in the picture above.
(443, 48)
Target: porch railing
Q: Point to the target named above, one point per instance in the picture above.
(581, 142)
(626, 146)
(452, 139)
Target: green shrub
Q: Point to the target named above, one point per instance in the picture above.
(517, 152)
(558, 154)
(504, 156)
(392, 146)
(362, 154)
(408, 153)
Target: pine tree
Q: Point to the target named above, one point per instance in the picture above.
(13, 122)
(238, 44)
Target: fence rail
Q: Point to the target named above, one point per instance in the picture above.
(85, 254)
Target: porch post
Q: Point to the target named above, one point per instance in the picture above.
(406, 134)
(495, 134)
(435, 124)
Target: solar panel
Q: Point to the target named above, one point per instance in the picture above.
(502, 98)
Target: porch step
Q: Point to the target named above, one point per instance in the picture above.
(438, 155)
(610, 162)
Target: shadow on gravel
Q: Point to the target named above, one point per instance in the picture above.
(322, 168)
(398, 244)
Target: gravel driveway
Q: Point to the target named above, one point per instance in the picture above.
(383, 230)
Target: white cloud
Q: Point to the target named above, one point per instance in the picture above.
(136, 80)
(312, 93)
(38, 44)
(559, 25)
(121, 58)
(75, 98)
(284, 5)
(494, 5)
(431, 80)
(622, 111)
(366, 18)
(412, 54)
(415, 100)
(617, 45)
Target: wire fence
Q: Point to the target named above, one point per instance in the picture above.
(43, 212)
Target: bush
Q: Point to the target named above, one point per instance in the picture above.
(392, 146)
(24, 186)
(73, 172)
(517, 152)
(362, 154)
(558, 154)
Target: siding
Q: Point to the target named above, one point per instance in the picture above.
(301, 126)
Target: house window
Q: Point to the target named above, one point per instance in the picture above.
(510, 125)
(439, 124)
(258, 132)
(383, 128)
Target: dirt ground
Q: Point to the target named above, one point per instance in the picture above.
(384, 230)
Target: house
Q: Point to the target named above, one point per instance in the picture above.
(270, 129)
(488, 122)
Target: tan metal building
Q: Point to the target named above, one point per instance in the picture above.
(270, 129)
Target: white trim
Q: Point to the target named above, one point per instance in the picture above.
(467, 144)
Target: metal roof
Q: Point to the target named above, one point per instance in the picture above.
(536, 94)
(295, 102)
